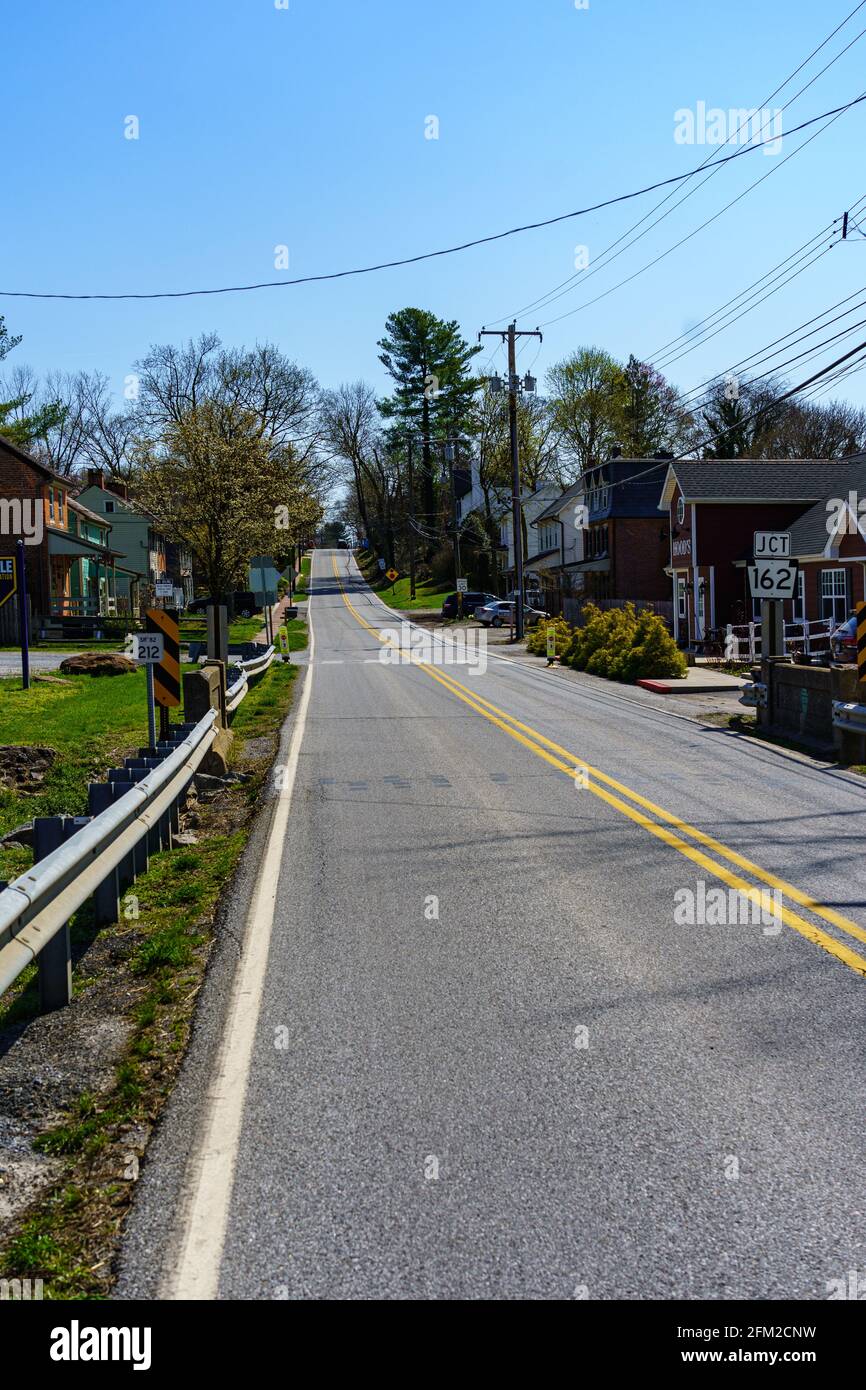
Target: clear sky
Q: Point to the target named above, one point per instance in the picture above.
(262, 126)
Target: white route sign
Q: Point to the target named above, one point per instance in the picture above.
(772, 545)
(147, 648)
(773, 579)
(164, 588)
(463, 586)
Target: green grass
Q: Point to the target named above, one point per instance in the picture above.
(94, 722)
(303, 578)
(64, 1236)
(428, 593)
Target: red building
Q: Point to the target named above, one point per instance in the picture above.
(714, 507)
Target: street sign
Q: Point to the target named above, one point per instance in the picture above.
(463, 586)
(772, 545)
(393, 575)
(773, 579)
(381, 564)
(147, 648)
(164, 588)
(8, 578)
(166, 675)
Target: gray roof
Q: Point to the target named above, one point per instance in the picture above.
(563, 500)
(767, 480)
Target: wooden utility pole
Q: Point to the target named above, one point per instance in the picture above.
(510, 335)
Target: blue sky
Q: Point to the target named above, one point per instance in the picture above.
(306, 127)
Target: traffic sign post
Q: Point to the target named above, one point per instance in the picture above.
(772, 579)
(462, 588)
(393, 575)
(283, 636)
(166, 673)
(19, 582)
(861, 641)
(772, 545)
(551, 644)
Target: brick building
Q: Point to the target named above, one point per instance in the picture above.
(712, 509)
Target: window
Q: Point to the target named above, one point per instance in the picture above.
(681, 510)
(682, 601)
(800, 600)
(60, 501)
(702, 603)
(109, 506)
(51, 504)
(834, 595)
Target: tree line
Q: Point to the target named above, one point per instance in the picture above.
(399, 454)
(222, 446)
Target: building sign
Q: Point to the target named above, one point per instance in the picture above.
(682, 548)
(8, 578)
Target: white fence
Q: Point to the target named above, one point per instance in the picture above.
(743, 641)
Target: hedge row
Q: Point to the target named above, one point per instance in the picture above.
(620, 643)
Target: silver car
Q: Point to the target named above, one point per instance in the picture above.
(502, 611)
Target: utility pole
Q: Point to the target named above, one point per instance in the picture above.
(510, 335)
(411, 471)
(451, 461)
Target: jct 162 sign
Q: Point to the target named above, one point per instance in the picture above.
(773, 579)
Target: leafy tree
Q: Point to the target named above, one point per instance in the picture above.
(216, 483)
(647, 413)
(585, 390)
(19, 424)
(429, 362)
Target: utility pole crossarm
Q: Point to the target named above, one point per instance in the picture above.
(510, 335)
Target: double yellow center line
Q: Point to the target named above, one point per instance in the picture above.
(687, 839)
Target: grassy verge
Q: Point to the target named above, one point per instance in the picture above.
(303, 578)
(428, 593)
(142, 975)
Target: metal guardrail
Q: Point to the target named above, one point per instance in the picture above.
(249, 670)
(851, 717)
(100, 856)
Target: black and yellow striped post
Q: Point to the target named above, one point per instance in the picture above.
(166, 675)
(861, 641)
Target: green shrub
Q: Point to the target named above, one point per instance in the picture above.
(623, 645)
(536, 643)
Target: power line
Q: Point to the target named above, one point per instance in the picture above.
(663, 254)
(450, 250)
(551, 296)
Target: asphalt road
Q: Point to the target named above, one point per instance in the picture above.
(487, 1057)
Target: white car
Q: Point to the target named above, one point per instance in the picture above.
(502, 611)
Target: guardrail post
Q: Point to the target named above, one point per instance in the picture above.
(54, 961)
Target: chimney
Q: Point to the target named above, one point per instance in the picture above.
(95, 478)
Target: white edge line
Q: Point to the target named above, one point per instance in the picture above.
(207, 1192)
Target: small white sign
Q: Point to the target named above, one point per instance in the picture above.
(463, 586)
(164, 588)
(773, 579)
(381, 564)
(147, 648)
(772, 545)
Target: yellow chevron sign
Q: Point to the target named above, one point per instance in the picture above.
(166, 675)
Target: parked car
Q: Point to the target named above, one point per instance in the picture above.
(243, 604)
(471, 602)
(502, 611)
(843, 642)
